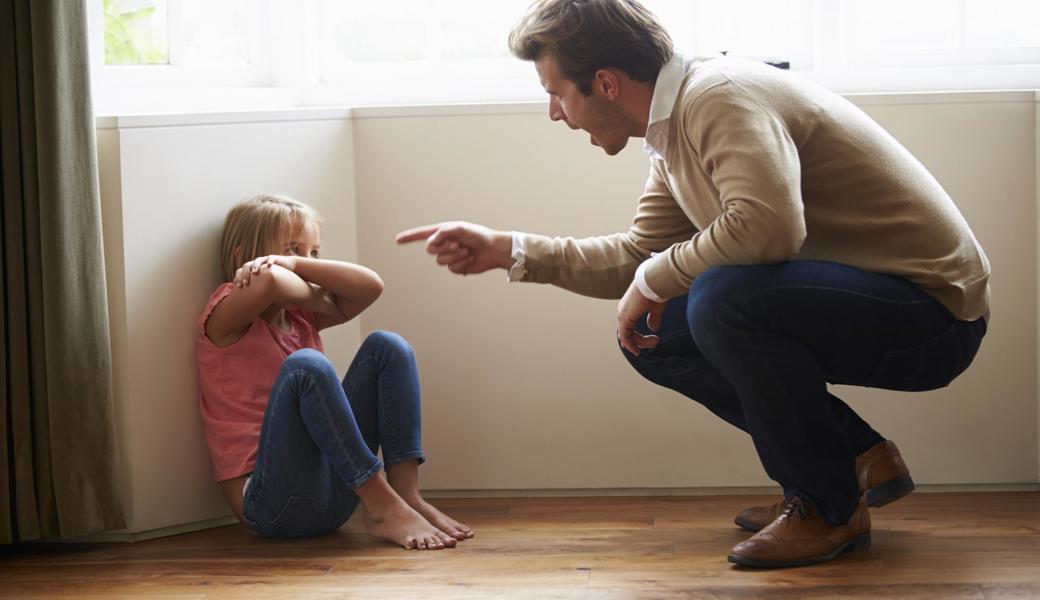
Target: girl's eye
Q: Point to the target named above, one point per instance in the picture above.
(294, 250)
(314, 254)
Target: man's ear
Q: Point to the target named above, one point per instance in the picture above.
(606, 83)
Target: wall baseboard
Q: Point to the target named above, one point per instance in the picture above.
(762, 490)
(140, 536)
(124, 535)
(707, 491)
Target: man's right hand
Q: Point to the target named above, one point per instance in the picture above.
(465, 248)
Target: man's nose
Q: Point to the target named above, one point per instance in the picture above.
(555, 110)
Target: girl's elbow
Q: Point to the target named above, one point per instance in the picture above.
(376, 286)
(284, 286)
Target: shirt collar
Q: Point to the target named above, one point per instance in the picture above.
(666, 93)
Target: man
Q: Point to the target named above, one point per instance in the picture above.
(784, 241)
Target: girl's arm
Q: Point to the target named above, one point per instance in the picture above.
(343, 290)
(352, 288)
(271, 286)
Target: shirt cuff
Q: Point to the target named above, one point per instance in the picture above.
(518, 254)
(644, 288)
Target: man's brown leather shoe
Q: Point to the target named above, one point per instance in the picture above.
(882, 474)
(800, 536)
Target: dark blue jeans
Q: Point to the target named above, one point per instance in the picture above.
(757, 346)
(319, 437)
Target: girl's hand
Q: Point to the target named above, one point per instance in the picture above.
(245, 273)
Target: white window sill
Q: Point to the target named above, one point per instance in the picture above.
(299, 113)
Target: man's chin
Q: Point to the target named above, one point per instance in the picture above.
(612, 149)
(615, 150)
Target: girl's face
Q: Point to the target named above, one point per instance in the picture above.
(305, 240)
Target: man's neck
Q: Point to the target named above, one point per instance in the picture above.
(636, 106)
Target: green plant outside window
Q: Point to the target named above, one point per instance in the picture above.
(135, 32)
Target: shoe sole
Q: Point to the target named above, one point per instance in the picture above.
(886, 493)
(748, 525)
(890, 491)
(857, 544)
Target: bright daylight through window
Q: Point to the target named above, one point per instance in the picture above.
(152, 54)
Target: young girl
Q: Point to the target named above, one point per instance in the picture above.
(294, 448)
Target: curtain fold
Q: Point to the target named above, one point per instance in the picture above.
(57, 441)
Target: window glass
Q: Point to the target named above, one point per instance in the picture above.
(135, 32)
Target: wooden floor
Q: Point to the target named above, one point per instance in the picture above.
(983, 546)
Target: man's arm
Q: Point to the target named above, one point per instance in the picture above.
(754, 164)
(464, 248)
(603, 266)
(600, 266)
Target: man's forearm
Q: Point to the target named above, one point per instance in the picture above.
(601, 267)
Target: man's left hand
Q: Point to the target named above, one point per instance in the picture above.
(632, 307)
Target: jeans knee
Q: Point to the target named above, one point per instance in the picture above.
(715, 295)
(310, 361)
(391, 343)
(644, 364)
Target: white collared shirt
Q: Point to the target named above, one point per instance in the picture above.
(655, 144)
(666, 92)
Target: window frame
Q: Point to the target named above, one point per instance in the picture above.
(174, 74)
(294, 72)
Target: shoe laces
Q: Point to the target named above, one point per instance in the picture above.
(795, 504)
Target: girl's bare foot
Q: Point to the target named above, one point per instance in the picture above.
(404, 479)
(440, 520)
(387, 516)
(401, 524)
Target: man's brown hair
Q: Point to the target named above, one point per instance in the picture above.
(584, 36)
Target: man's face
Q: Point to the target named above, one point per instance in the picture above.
(596, 113)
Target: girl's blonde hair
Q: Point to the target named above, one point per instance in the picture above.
(255, 226)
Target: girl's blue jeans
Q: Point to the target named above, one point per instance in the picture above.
(758, 345)
(320, 436)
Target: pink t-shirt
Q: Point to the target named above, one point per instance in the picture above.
(236, 382)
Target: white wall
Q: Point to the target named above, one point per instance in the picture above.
(981, 429)
(1036, 158)
(523, 387)
(166, 187)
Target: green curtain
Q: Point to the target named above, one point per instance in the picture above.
(57, 445)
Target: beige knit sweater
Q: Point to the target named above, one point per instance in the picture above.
(764, 167)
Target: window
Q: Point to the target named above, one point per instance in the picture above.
(774, 31)
(378, 52)
(932, 33)
(155, 43)
(187, 54)
(135, 32)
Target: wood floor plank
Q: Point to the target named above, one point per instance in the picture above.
(1021, 591)
(983, 546)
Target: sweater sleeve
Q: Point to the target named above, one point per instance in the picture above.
(752, 161)
(603, 266)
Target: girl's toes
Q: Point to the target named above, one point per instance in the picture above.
(447, 539)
